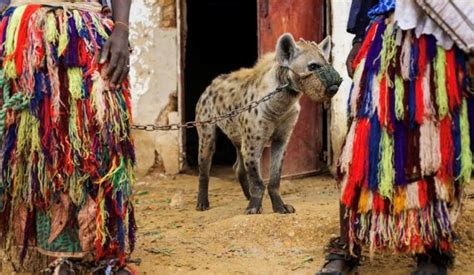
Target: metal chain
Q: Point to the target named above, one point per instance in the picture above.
(212, 120)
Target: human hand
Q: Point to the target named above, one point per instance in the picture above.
(117, 55)
(350, 58)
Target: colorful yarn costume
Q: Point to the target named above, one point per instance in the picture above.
(408, 153)
(67, 152)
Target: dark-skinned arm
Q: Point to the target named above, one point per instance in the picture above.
(115, 50)
(357, 24)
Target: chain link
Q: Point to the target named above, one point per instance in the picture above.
(211, 121)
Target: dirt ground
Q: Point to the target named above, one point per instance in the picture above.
(173, 238)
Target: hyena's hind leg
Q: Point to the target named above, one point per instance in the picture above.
(207, 147)
(240, 173)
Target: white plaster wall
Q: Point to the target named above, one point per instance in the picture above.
(153, 77)
(342, 44)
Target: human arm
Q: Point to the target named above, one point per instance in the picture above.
(115, 50)
(357, 24)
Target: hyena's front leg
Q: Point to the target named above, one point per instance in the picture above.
(252, 149)
(278, 153)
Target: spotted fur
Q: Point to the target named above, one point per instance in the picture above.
(271, 121)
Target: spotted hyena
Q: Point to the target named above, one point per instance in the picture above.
(304, 66)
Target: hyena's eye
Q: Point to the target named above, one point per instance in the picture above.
(313, 67)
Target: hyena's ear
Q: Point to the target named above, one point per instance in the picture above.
(325, 47)
(286, 49)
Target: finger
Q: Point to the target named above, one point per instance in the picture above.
(105, 52)
(118, 71)
(113, 64)
(124, 74)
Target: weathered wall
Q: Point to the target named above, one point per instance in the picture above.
(341, 47)
(154, 78)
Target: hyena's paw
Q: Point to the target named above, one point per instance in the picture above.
(284, 209)
(253, 211)
(202, 205)
(254, 206)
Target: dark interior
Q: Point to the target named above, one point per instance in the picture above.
(222, 37)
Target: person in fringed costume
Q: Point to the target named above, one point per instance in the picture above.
(408, 152)
(67, 152)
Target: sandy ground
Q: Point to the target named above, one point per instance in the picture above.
(173, 238)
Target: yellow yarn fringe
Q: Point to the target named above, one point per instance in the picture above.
(399, 97)
(466, 154)
(75, 82)
(388, 53)
(50, 30)
(440, 79)
(63, 36)
(386, 171)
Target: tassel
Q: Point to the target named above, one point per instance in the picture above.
(383, 98)
(399, 98)
(400, 144)
(355, 92)
(389, 50)
(78, 21)
(374, 152)
(466, 154)
(399, 201)
(430, 156)
(470, 110)
(71, 53)
(412, 98)
(413, 201)
(97, 98)
(419, 92)
(445, 172)
(358, 168)
(451, 77)
(75, 83)
(440, 79)
(120, 223)
(430, 111)
(372, 59)
(378, 203)
(364, 201)
(99, 27)
(63, 35)
(365, 45)
(367, 107)
(456, 134)
(22, 32)
(405, 56)
(346, 154)
(441, 190)
(9, 64)
(423, 193)
(51, 33)
(131, 228)
(386, 173)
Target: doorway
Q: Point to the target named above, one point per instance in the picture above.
(221, 38)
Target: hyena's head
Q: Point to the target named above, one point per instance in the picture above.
(308, 68)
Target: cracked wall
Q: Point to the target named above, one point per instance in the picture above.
(154, 77)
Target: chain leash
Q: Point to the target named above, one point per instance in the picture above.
(211, 121)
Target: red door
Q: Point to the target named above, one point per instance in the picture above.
(304, 19)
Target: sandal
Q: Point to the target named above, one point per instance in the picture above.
(433, 263)
(339, 260)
